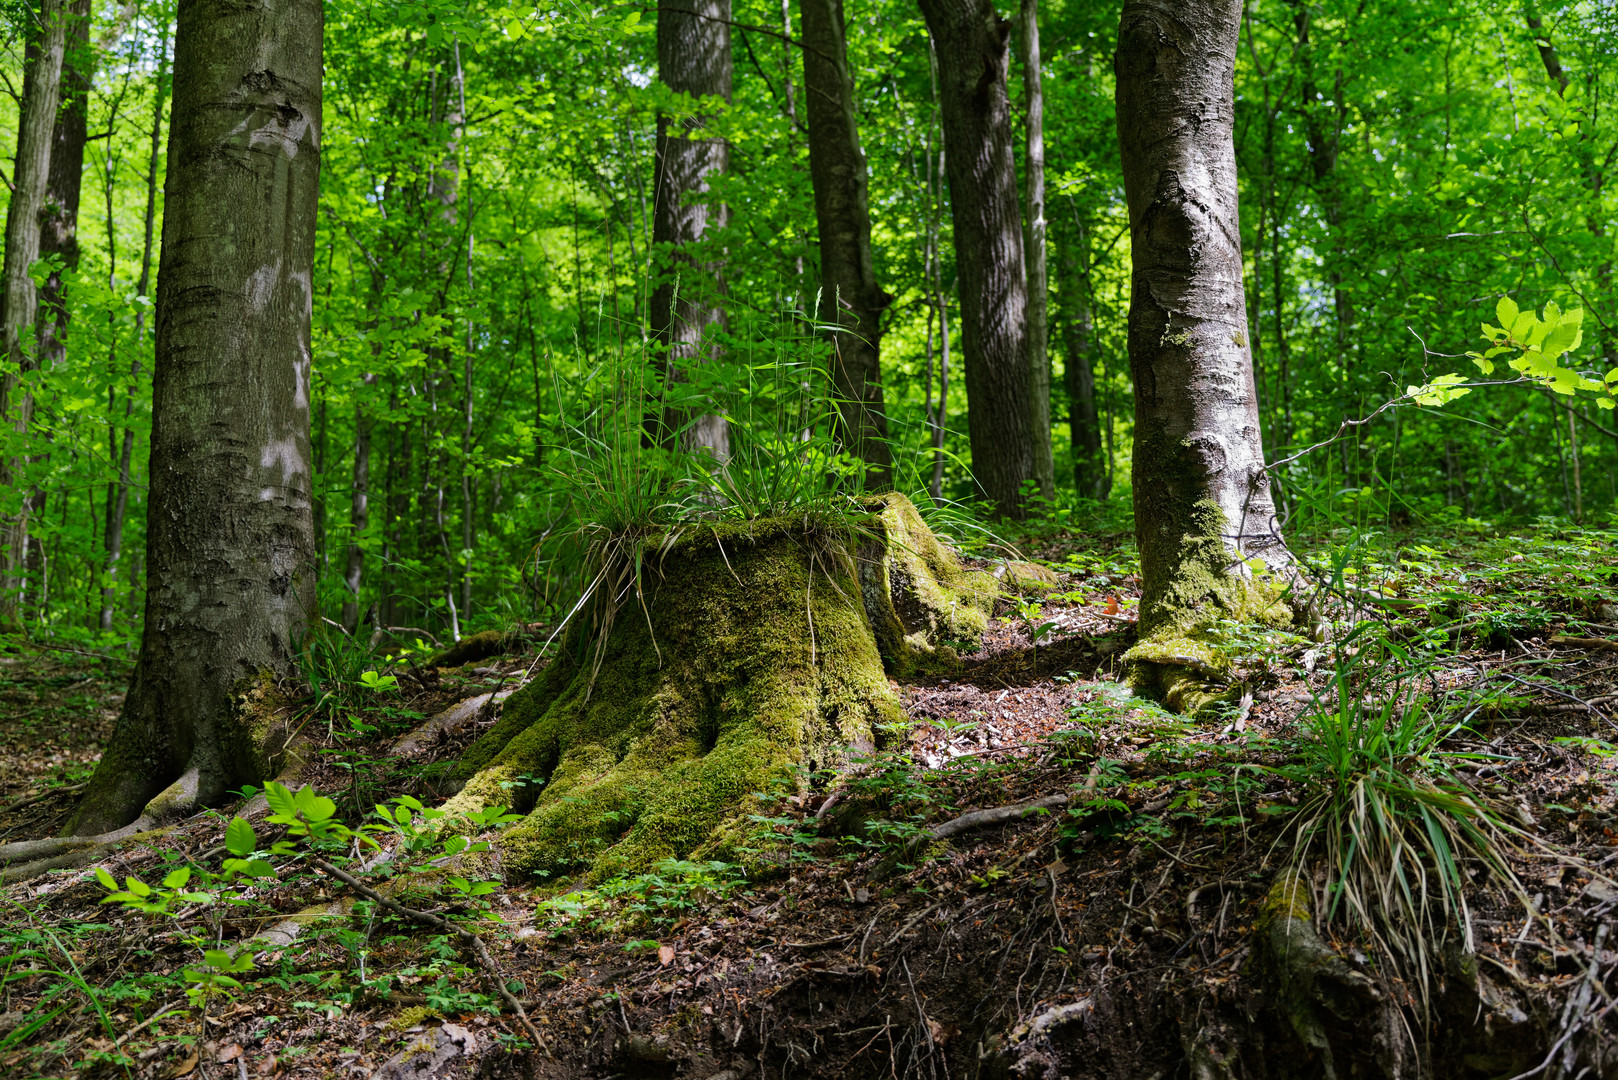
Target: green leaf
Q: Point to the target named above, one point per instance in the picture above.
(106, 879)
(1505, 311)
(258, 868)
(1612, 376)
(280, 799)
(240, 839)
(176, 879)
(1553, 313)
(137, 886)
(1523, 324)
(1564, 337)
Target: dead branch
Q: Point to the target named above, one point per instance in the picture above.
(467, 937)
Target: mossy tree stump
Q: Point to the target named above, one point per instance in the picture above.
(755, 654)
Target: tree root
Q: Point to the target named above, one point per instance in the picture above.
(55, 853)
(24, 860)
(975, 819)
(468, 938)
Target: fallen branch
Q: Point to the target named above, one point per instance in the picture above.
(1565, 641)
(976, 819)
(43, 795)
(984, 819)
(467, 937)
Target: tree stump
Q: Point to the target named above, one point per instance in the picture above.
(752, 656)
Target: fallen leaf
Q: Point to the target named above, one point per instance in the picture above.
(185, 1066)
(229, 1053)
(1112, 606)
(665, 955)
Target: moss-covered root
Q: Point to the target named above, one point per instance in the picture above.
(1338, 1015)
(475, 647)
(751, 661)
(921, 602)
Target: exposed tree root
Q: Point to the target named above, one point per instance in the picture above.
(55, 853)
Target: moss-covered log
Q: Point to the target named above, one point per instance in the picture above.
(749, 660)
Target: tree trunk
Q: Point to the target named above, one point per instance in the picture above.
(693, 57)
(849, 295)
(118, 502)
(1078, 341)
(230, 540)
(970, 41)
(19, 298)
(1202, 496)
(359, 506)
(1039, 360)
(59, 219)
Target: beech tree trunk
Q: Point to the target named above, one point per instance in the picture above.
(849, 295)
(1202, 497)
(971, 45)
(1039, 360)
(19, 299)
(230, 541)
(688, 304)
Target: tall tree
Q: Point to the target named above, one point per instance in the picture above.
(230, 543)
(971, 44)
(850, 298)
(19, 298)
(1039, 360)
(1202, 495)
(688, 304)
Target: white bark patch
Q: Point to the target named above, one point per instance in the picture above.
(261, 286)
(284, 453)
(301, 369)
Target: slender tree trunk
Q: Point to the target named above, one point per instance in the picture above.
(230, 539)
(1078, 341)
(1202, 497)
(19, 298)
(58, 229)
(688, 304)
(59, 219)
(849, 295)
(1039, 360)
(970, 42)
(118, 504)
(359, 504)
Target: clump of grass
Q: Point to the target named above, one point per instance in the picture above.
(1385, 809)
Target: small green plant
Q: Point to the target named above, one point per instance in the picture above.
(378, 683)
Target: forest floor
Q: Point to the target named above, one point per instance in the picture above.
(1113, 936)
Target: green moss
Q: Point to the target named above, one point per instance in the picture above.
(1180, 658)
(472, 648)
(751, 661)
(920, 600)
(1025, 578)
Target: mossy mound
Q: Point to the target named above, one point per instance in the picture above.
(751, 661)
(474, 647)
(1020, 579)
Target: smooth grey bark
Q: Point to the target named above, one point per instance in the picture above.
(850, 298)
(1078, 368)
(1202, 496)
(230, 539)
(970, 42)
(688, 302)
(1039, 360)
(118, 497)
(19, 298)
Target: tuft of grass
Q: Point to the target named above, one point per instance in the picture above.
(1385, 809)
